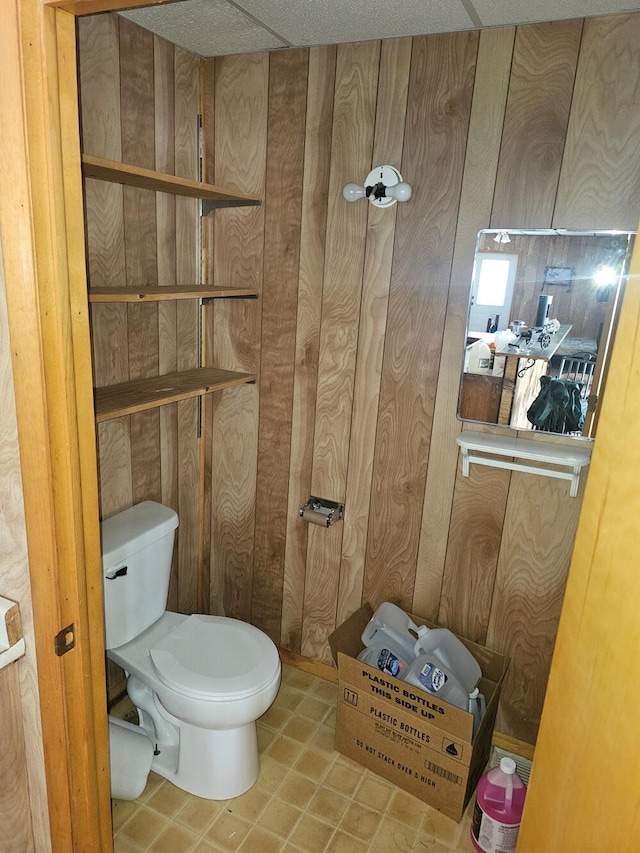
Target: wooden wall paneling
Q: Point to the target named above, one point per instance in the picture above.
(282, 206)
(16, 834)
(187, 109)
(353, 126)
(438, 111)
(493, 66)
(473, 551)
(164, 96)
(600, 178)
(537, 540)
(393, 83)
(241, 103)
(99, 73)
(544, 66)
(313, 225)
(137, 96)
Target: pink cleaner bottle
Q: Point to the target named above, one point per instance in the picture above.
(498, 811)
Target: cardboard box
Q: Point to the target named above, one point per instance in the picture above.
(406, 735)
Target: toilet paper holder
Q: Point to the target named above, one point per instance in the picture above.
(322, 511)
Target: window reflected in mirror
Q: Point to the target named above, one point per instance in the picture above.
(543, 310)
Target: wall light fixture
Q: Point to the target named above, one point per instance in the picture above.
(383, 187)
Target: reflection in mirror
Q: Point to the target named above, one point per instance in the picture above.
(542, 315)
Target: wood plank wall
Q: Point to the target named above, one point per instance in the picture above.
(357, 337)
(140, 101)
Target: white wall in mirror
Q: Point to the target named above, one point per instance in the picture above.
(543, 309)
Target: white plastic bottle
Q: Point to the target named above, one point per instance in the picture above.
(430, 674)
(477, 706)
(392, 627)
(455, 656)
(478, 358)
(385, 659)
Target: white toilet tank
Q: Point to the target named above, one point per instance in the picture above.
(137, 547)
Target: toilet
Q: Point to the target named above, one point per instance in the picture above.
(199, 682)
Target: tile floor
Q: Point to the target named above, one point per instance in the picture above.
(308, 798)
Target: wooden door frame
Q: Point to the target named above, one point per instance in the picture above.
(42, 232)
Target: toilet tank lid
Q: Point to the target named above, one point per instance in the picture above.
(133, 529)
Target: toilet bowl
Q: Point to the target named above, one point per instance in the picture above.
(199, 682)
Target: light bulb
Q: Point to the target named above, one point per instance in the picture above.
(401, 191)
(352, 192)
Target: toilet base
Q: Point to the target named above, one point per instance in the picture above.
(215, 764)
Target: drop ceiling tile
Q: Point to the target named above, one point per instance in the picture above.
(309, 22)
(493, 12)
(205, 27)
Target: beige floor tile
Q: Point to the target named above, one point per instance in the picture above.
(392, 835)
(311, 835)
(279, 818)
(328, 805)
(174, 838)
(407, 809)
(343, 778)
(288, 699)
(198, 814)
(265, 736)
(296, 790)
(325, 690)
(300, 729)
(313, 764)
(153, 783)
(261, 841)
(143, 827)
(167, 799)
(249, 805)
(122, 845)
(436, 827)
(313, 709)
(323, 739)
(284, 750)
(343, 843)
(271, 774)
(228, 831)
(298, 679)
(374, 793)
(360, 821)
(121, 811)
(275, 718)
(204, 846)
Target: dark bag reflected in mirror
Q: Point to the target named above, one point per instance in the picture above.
(558, 407)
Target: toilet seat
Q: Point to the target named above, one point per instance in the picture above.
(215, 658)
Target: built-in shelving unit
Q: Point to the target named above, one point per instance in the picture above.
(146, 179)
(490, 446)
(126, 398)
(154, 293)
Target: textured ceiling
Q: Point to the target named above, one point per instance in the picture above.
(218, 27)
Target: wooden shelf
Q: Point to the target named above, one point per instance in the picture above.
(126, 398)
(135, 176)
(154, 293)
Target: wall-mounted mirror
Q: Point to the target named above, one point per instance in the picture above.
(543, 310)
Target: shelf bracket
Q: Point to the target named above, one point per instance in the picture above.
(474, 446)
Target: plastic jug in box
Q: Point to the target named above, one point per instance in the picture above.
(385, 659)
(451, 652)
(428, 673)
(498, 810)
(390, 626)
